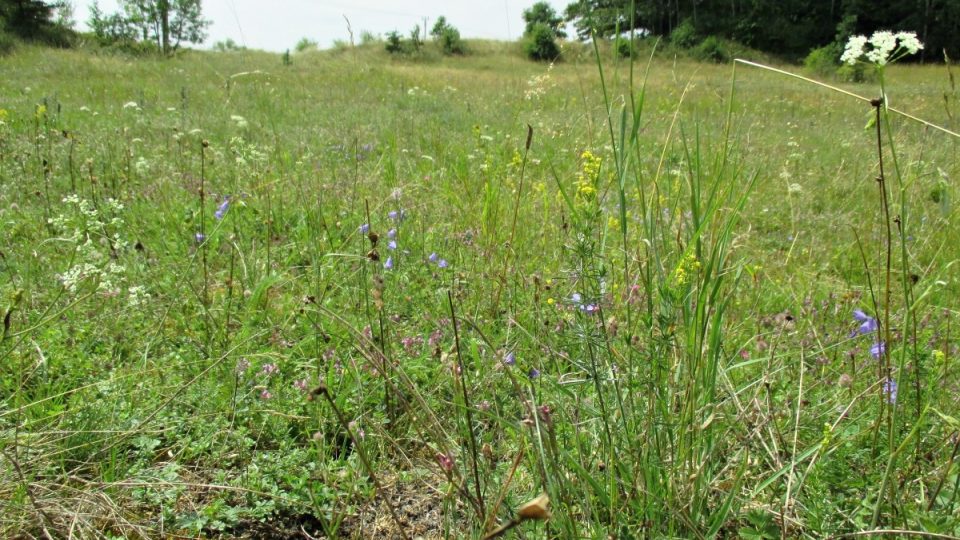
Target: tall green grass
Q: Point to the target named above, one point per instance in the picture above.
(645, 310)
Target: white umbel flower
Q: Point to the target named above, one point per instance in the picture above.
(909, 41)
(853, 50)
(884, 47)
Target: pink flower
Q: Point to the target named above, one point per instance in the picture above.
(269, 369)
(445, 461)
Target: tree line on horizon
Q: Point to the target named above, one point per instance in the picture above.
(789, 29)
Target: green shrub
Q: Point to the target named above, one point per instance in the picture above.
(227, 45)
(712, 49)
(394, 44)
(540, 43)
(623, 47)
(823, 61)
(415, 43)
(306, 44)
(684, 35)
(856, 73)
(448, 37)
(450, 42)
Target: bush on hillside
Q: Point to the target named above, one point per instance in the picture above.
(540, 44)
(394, 44)
(448, 37)
(712, 49)
(684, 35)
(823, 61)
(306, 44)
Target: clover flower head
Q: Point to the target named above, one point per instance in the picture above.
(445, 462)
(269, 369)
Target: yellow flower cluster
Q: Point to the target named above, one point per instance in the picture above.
(681, 274)
(517, 160)
(587, 177)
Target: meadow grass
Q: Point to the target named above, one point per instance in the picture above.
(361, 296)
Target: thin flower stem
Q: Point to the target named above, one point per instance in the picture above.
(462, 378)
(345, 425)
(847, 93)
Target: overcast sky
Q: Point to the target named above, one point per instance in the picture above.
(277, 25)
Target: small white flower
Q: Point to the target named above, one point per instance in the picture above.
(884, 43)
(137, 295)
(131, 105)
(239, 120)
(853, 50)
(909, 41)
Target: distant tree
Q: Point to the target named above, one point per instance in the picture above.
(439, 27)
(35, 20)
(415, 42)
(540, 44)
(543, 26)
(227, 45)
(167, 23)
(394, 44)
(113, 29)
(306, 44)
(789, 28)
(448, 37)
(543, 13)
(603, 17)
